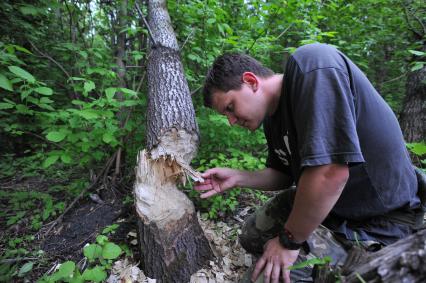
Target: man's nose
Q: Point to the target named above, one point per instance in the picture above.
(232, 119)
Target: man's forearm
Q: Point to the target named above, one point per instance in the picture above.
(267, 179)
(318, 190)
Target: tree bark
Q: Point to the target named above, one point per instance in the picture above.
(413, 116)
(173, 245)
(403, 261)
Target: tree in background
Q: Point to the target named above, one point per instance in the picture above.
(413, 115)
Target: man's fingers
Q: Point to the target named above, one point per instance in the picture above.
(259, 267)
(208, 194)
(267, 272)
(209, 172)
(286, 274)
(216, 187)
(203, 187)
(275, 275)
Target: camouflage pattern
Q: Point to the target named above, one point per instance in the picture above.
(268, 220)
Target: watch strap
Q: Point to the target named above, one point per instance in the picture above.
(287, 240)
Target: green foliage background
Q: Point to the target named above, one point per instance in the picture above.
(66, 108)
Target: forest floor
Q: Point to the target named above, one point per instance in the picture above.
(29, 250)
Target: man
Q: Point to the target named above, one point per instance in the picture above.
(332, 135)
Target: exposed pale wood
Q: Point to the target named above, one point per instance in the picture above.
(173, 245)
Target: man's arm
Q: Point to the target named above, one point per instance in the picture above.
(318, 190)
(218, 180)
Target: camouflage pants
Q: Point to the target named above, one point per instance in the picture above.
(268, 220)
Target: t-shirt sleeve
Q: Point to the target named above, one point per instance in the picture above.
(324, 117)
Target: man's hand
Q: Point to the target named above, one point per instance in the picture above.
(218, 180)
(275, 262)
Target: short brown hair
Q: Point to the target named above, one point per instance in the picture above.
(226, 71)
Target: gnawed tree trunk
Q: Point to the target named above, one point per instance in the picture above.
(173, 245)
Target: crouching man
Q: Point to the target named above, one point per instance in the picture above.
(335, 148)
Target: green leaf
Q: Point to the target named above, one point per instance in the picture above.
(45, 100)
(5, 83)
(50, 160)
(92, 251)
(417, 66)
(55, 136)
(76, 79)
(88, 114)
(211, 21)
(312, 261)
(110, 92)
(128, 91)
(88, 86)
(101, 239)
(66, 269)
(97, 274)
(108, 137)
(6, 106)
(25, 269)
(44, 90)
(66, 158)
(418, 53)
(111, 251)
(417, 148)
(22, 73)
(28, 10)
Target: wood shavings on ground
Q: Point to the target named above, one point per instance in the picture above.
(230, 262)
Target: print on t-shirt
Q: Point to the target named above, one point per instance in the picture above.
(284, 156)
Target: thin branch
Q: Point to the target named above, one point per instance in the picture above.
(281, 34)
(43, 139)
(154, 43)
(57, 220)
(420, 22)
(186, 40)
(18, 259)
(394, 79)
(195, 90)
(409, 23)
(51, 59)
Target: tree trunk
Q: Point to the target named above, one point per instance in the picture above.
(173, 245)
(121, 73)
(413, 116)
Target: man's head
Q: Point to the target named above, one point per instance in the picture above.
(232, 87)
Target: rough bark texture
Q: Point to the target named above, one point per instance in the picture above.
(173, 245)
(413, 116)
(403, 261)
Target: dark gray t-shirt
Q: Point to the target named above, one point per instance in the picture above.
(330, 113)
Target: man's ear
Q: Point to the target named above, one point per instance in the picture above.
(250, 79)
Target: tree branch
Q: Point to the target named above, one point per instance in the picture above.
(154, 43)
(50, 58)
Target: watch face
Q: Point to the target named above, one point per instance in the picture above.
(286, 242)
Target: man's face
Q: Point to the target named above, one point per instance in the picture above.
(244, 107)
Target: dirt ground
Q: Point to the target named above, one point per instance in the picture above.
(86, 220)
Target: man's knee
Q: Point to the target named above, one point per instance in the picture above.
(250, 238)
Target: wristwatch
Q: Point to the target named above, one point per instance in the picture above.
(287, 240)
